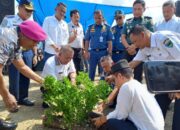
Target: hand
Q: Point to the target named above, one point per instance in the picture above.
(35, 60)
(131, 49)
(57, 49)
(86, 55)
(10, 103)
(99, 121)
(172, 96)
(101, 106)
(109, 79)
(177, 95)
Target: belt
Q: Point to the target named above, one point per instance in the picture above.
(24, 49)
(117, 52)
(99, 49)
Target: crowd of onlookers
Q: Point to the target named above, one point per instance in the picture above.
(68, 50)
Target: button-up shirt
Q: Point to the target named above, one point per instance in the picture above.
(135, 103)
(117, 43)
(78, 42)
(54, 68)
(9, 48)
(171, 25)
(165, 45)
(57, 32)
(98, 36)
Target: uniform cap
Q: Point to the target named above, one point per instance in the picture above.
(122, 64)
(27, 4)
(118, 12)
(32, 30)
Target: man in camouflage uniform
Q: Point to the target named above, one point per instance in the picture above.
(138, 19)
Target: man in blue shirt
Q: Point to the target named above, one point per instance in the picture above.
(118, 48)
(98, 42)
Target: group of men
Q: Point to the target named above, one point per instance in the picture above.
(66, 45)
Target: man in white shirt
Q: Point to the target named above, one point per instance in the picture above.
(61, 65)
(161, 45)
(136, 108)
(57, 30)
(170, 21)
(76, 39)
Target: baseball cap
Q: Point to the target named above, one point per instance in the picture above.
(27, 4)
(118, 13)
(32, 30)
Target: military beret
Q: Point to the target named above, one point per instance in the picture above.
(122, 64)
(32, 30)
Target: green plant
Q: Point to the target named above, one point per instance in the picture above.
(73, 101)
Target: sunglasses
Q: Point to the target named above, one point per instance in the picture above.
(118, 18)
(29, 11)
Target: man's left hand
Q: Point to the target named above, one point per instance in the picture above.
(99, 121)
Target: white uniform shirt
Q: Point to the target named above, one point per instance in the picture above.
(165, 45)
(12, 21)
(172, 25)
(57, 32)
(78, 42)
(54, 68)
(135, 103)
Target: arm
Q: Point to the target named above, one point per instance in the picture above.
(8, 99)
(25, 70)
(133, 64)
(72, 76)
(124, 42)
(110, 47)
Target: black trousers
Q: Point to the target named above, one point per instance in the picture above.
(115, 124)
(164, 101)
(77, 59)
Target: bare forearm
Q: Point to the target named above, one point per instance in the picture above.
(124, 42)
(134, 64)
(113, 94)
(86, 45)
(3, 90)
(110, 47)
(72, 76)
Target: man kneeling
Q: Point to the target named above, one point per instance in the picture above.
(136, 108)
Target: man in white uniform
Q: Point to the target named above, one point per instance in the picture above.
(136, 108)
(170, 21)
(161, 45)
(76, 39)
(57, 31)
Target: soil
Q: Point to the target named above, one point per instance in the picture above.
(30, 118)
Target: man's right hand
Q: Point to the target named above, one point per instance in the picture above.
(86, 55)
(10, 103)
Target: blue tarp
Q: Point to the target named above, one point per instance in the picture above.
(45, 8)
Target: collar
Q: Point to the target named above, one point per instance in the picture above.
(173, 18)
(153, 40)
(74, 24)
(57, 19)
(138, 18)
(57, 62)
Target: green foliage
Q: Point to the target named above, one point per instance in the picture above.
(74, 101)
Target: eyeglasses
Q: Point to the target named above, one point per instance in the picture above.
(118, 18)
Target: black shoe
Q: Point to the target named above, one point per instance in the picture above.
(45, 105)
(26, 102)
(4, 125)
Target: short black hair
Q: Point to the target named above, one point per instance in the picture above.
(138, 29)
(169, 3)
(98, 12)
(142, 2)
(73, 12)
(127, 72)
(60, 3)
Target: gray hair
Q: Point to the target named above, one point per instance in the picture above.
(169, 3)
(66, 49)
(106, 58)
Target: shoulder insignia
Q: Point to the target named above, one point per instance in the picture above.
(168, 43)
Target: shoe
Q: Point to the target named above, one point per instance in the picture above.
(26, 102)
(5, 125)
(45, 105)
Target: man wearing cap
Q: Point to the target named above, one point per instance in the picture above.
(118, 48)
(161, 45)
(138, 19)
(136, 108)
(57, 31)
(18, 83)
(11, 41)
(98, 38)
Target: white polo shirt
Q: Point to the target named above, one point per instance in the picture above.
(78, 42)
(171, 25)
(57, 32)
(54, 68)
(165, 45)
(135, 103)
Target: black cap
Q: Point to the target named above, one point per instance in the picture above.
(118, 12)
(122, 64)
